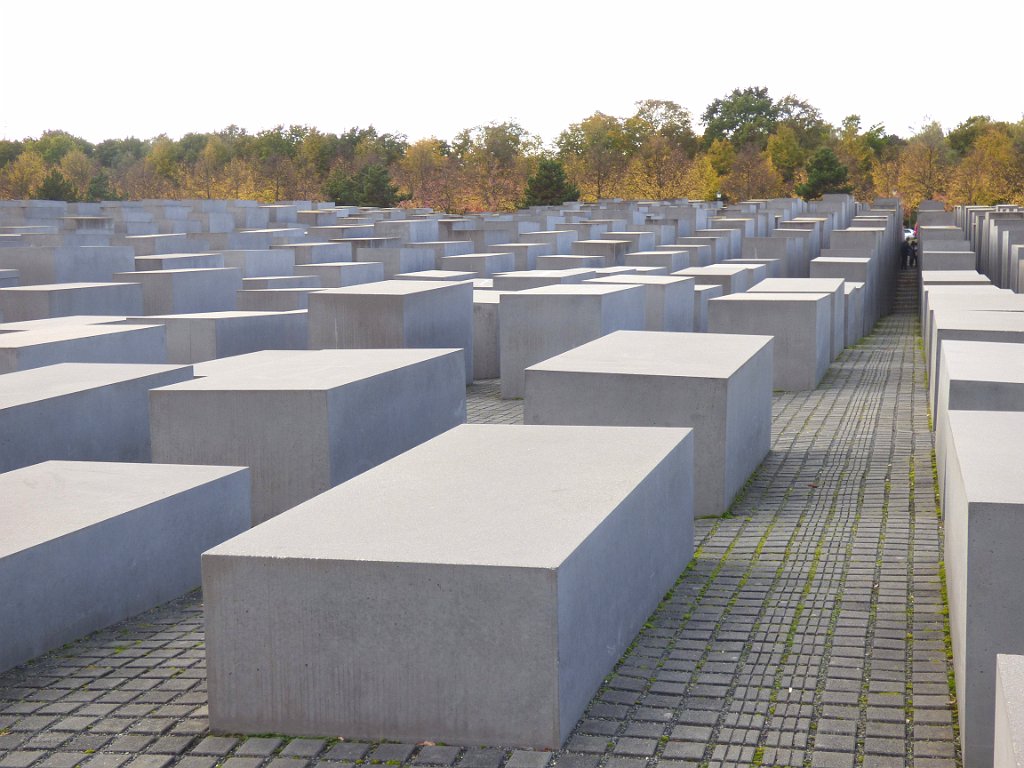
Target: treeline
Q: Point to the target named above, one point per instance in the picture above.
(751, 146)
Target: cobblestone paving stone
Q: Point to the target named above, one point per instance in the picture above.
(808, 631)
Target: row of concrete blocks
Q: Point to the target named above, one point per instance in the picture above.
(974, 346)
(436, 536)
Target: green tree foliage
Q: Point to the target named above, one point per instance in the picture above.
(55, 187)
(100, 189)
(825, 174)
(747, 115)
(370, 186)
(549, 186)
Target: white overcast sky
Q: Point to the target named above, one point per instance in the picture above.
(104, 69)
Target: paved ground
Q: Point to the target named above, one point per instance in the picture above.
(809, 630)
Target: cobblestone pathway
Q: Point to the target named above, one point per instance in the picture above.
(808, 631)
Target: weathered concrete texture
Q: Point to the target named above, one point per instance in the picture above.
(718, 385)
(182, 291)
(1008, 745)
(86, 544)
(307, 420)
(505, 617)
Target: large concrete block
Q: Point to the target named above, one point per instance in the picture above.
(486, 358)
(306, 421)
(800, 322)
(85, 264)
(735, 279)
(702, 294)
(562, 261)
(668, 301)
(981, 325)
(975, 376)
(23, 350)
(1008, 744)
(544, 322)
(269, 262)
(525, 254)
(538, 278)
(274, 299)
(79, 411)
(343, 273)
(396, 261)
(184, 291)
(984, 523)
(211, 335)
(719, 385)
(177, 261)
(483, 264)
(506, 616)
(36, 302)
(671, 261)
(87, 544)
(395, 314)
(837, 302)
(854, 324)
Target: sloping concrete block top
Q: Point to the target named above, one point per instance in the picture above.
(81, 494)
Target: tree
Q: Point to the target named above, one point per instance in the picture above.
(752, 176)
(55, 187)
(926, 164)
(100, 189)
(549, 186)
(371, 186)
(594, 152)
(785, 153)
(496, 160)
(744, 116)
(78, 170)
(23, 175)
(825, 174)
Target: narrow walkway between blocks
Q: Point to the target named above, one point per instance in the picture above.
(808, 631)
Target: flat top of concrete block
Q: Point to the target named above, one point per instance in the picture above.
(57, 322)
(35, 384)
(574, 289)
(424, 506)
(712, 269)
(768, 296)
(185, 271)
(657, 353)
(336, 265)
(973, 319)
(310, 370)
(225, 315)
(983, 361)
(852, 287)
(953, 275)
(158, 256)
(438, 274)
(547, 273)
(49, 288)
(988, 445)
(798, 285)
(488, 296)
(711, 290)
(837, 260)
(22, 339)
(628, 279)
(49, 500)
(394, 288)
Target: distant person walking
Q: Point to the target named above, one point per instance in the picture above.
(913, 254)
(904, 254)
